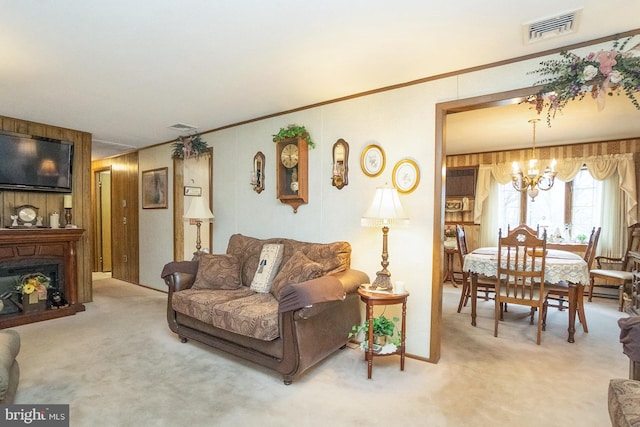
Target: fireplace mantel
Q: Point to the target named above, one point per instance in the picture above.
(18, 245)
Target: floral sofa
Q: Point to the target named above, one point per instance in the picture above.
(281, 303)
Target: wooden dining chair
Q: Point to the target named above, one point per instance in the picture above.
(558, 293)
(616, 272)
(525, 227)
(520, 275)
(485, 286)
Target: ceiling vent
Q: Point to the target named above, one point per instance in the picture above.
(183, 127)
(560, 25)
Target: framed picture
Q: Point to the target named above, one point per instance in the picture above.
(372, 160)
(154, 188)
(192, 191)
(406, 176)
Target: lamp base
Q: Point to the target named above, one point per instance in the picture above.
(382, 282)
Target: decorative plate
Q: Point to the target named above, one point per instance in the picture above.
(406, 176)
(372, 160)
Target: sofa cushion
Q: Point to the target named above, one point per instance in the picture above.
(199, 303)
(270, 260)
(298, 268)
(334, 257)
(218, 272)
(254, 316)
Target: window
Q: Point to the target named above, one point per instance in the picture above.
(576, 202)
(585, 202)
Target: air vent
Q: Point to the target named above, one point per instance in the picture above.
(560, 25)
(183, 127)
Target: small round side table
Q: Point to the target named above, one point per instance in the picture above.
(371, 299)
(449, 256)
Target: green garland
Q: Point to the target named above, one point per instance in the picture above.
(189, 147)
(294, 131)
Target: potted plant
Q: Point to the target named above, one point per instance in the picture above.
(187, 147)
(384, 330)
(294, 131)
(582, 238)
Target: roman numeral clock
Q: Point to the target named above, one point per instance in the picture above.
(292, 174)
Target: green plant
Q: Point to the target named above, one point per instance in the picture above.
(381, 326)
(294, 131)
(188, 147)
(582, 237)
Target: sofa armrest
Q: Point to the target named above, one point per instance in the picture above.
(179, 275)
(352, 279)
(333, 287)
(180, 281)
(9, 349)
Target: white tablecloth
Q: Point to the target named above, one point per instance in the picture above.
(559, 266)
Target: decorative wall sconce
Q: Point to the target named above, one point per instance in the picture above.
(340, 170)
(257, 174)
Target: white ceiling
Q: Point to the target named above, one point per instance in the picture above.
(126, 70)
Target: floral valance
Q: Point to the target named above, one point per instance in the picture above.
(600, 167)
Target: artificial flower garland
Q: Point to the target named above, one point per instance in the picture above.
(599, 74)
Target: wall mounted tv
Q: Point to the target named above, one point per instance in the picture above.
(35, 163)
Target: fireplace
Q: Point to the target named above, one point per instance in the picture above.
(12, 272)
(45, 251)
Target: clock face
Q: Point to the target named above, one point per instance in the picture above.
(27, 214)
(289, 155)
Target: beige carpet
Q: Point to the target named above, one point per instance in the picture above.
(117, 364)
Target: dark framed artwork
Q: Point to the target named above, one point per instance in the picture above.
(154, 188)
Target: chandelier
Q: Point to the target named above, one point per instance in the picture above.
(533, 181)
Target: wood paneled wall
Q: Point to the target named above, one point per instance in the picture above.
(557, 152)
(125, 247)
(50, 202)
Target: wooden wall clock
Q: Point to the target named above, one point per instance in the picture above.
(292, 174)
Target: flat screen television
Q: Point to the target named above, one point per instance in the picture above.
(35, 163)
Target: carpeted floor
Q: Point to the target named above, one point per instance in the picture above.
(117, 364)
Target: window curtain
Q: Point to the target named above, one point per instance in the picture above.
(618, 173)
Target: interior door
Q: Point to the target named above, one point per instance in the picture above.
(103, 190)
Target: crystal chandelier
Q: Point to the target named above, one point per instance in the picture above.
(533, 181)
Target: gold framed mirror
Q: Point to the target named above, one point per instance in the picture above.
(340, 165)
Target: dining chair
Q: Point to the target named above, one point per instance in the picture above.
(558, 294)
(520, 275)
(618, 272)
(485, 286)
(535, 232)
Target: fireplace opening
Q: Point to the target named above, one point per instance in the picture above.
(13, 302)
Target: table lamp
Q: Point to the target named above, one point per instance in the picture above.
(385, 210)
(198, 212)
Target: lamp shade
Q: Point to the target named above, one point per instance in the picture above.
(385, 209)
(198, 210)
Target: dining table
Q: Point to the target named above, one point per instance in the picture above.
(560, 266)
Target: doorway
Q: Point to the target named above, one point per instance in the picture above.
(103, 220)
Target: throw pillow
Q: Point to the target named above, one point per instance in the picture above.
(218, 272)
(299, 268)
(270, 259)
